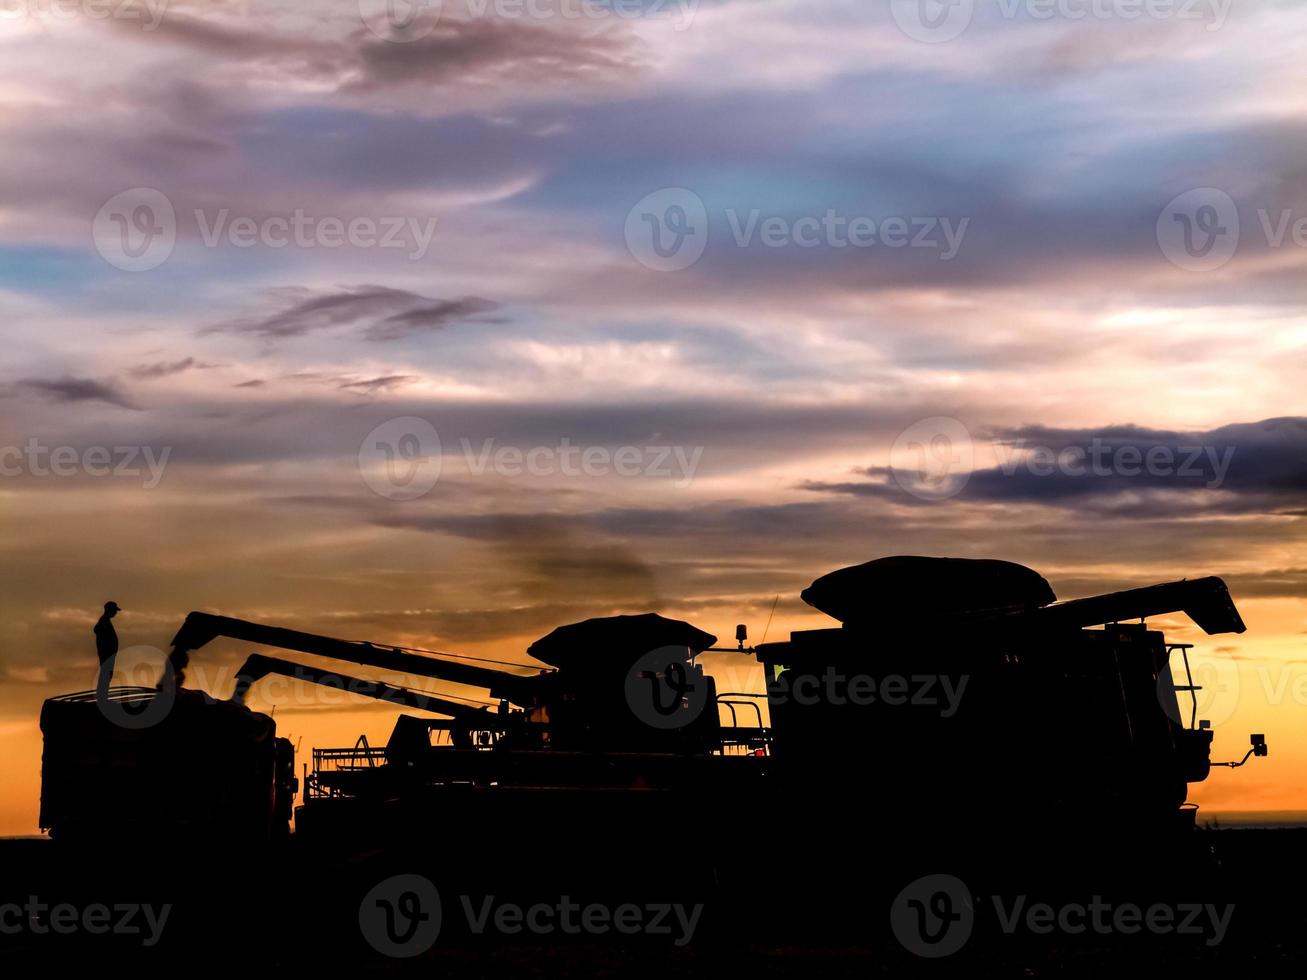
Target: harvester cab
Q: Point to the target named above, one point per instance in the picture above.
(966, 681)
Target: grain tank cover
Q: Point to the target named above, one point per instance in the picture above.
(616, 642)
(890, 588)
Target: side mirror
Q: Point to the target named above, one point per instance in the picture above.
(1258, 749)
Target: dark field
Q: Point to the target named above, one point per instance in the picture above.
(287, 911)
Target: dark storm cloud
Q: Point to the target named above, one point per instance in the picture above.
(1266, 459)
(462, 47)
(241, 44)
(457, 48)
(380, 312)
(1131, 471)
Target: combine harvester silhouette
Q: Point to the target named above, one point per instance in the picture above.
(958, 716)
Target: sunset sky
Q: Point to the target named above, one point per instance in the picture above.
(626, 230)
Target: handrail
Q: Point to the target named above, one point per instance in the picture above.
(1193, 689)
(730, 704)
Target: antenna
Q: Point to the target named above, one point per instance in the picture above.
(769, 618)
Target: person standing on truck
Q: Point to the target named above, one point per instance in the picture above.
(106, 644)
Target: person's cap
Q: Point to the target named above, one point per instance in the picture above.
(112, 605)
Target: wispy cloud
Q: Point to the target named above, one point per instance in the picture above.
(71, 389)
(164, 369)
(384, 383)
(378, 313)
